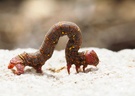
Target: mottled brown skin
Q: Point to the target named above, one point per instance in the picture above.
(38, 59)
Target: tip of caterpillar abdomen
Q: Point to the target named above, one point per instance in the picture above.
(91, 58)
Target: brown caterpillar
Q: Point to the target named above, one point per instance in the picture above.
(38, 59)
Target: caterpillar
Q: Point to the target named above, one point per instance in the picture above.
(38, 58)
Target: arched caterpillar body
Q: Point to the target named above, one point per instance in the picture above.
(38, 59)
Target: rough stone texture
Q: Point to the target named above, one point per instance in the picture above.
(114, 76)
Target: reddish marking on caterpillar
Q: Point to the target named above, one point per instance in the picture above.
(38, 59)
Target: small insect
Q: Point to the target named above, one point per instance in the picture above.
(38, 59)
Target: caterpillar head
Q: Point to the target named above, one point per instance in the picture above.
(18, 63)
(14, 61)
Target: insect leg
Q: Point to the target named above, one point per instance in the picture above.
(84, 66)
(68, 68)
(39, 69)
(77, 67)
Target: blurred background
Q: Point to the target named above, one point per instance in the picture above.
(104, 23)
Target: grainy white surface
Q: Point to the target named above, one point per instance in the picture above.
(115, 76)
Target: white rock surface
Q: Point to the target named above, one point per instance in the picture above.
(115, 76)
